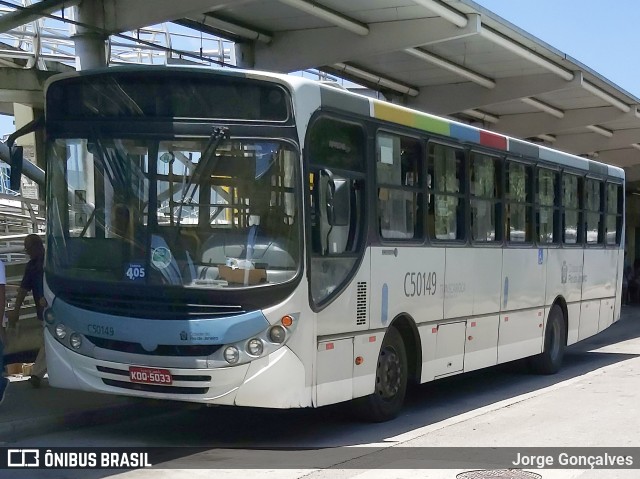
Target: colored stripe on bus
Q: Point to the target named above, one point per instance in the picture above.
(524, 149)
(465, 133)
(422, 121)
(492, 140)
(406, 117)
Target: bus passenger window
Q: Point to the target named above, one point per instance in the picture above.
(485, 197)
(570, 209)
(446, 195)
(547, 207)
(593, 211)
(398, 170)
(614, 214)
(518, 203)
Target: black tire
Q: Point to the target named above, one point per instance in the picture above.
(391, 381)
(550, 360)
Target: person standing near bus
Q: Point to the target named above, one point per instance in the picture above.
(32, 280)
(4, 382)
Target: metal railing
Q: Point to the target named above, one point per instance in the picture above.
(49, 38)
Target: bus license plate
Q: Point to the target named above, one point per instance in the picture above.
(150, 375)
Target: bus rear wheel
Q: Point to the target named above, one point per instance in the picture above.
(550, 360)
(391, 381)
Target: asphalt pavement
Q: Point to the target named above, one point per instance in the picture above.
(27, 411)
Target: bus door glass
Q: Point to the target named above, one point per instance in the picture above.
(336, 195)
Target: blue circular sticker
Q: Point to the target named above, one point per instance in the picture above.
(161, 257)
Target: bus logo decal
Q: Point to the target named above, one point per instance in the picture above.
(183, 335)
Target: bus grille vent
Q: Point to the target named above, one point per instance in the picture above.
(361, 311)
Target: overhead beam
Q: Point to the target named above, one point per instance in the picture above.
(445, 11)
(454, 98)
(587, 142)
(623, 157)
(525, 125)
(301, 49)
(452, 67)
(603, 95)
(224, 27)
(331, 16)
(378, 81)
(459, 19)
(125, 15)
(525, 53)
(26, 97)
(25, 86)
(23, 15)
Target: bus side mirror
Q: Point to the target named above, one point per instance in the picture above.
(338, 201)
(16, 168)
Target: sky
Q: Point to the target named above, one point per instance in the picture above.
(602, 35)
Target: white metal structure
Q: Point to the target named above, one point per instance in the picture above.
(249, 239)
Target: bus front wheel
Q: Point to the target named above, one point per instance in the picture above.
(550, 360)
(391, 381)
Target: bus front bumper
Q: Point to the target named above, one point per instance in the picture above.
(275, 381)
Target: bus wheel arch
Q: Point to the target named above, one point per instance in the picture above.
(407, 328)
(555, 342)
(562, 304)
(396, 365)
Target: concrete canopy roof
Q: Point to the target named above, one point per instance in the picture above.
(449, 57)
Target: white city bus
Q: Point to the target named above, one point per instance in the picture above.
(250, 239)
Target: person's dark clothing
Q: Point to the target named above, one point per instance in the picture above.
(32, 281)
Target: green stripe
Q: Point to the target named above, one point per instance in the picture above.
(402, 116)
(433, 125)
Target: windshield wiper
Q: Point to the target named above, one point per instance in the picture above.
(205, 164)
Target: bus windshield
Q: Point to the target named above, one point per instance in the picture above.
(188, 213)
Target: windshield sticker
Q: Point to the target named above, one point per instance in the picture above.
(134, 272)
(161, 257)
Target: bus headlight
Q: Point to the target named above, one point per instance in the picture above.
(231, 354)
(61, 331)
(255, 347)
(277, 334)
(75, 340)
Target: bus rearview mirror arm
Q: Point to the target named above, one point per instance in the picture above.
(13, 155)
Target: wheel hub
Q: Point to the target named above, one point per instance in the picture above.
(389, 374)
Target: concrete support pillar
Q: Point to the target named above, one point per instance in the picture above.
(91, 51)
(245, 55)
(90, 46)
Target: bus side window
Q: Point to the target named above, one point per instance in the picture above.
(446, 193)
(571, 213)
(518, 201)
(594, 207)
(486, 194)
(399, 177)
